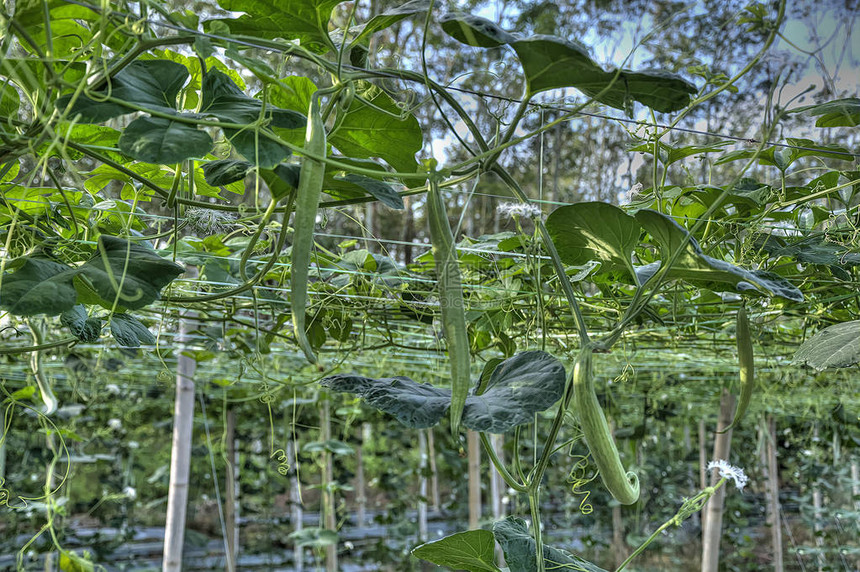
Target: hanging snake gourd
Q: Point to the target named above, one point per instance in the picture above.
(307, 202)
(622, 485)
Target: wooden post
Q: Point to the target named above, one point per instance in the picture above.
(327, 493)
(231, 510)
(180, 456)
(360, 485)
(474, 451)
(713, 521)
(422, 486)
(434, 475)
(772, 478)
(296, 512)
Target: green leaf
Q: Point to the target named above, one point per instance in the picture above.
(836, 113)
(550, 63)
(416, 405)
(475, 30)
(391, 17)
(585, 231)
(520, 554)
(380, 190)
(518, 388)
(367, 132)
(10, 100)
(833, 347)
(316, 537)
(473, 550)
(86, 329)
(306, 21)
(223, 100)
(162, 141)
(226, 171)
(37, 286)
(152, 84)
(129, 332)
(694, 266)
(782, 157)
(282, 180)
(138, 271)
(668, 154)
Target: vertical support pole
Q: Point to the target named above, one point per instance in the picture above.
(422, 486)
(231, 510)
(713, 522)
(773, 494)
(296, 512)
(434, 475)
(360, 481)
(474, 452)
(180, 456)
(328, 479)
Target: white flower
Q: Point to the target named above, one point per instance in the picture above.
(112, 388)
(114, 424)
(208, 221)
(729, 472)
(519, 210)
(130, 493)
(633, 192)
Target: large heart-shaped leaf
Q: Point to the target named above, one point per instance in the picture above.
(475, 30)
(519, 387)
(151, 84)
(38, 285)
(306, 20)
(136, 272)
(367, 132)
(513, 536)
(86, 329)
(362, 185)
(223, 100)
(391, 17)
(162, 141)
(473, 551)
(550, 62)
(836, 113)
(129, 332)
(594, 230)
(834, 346)
(226, 171)
(694, 266)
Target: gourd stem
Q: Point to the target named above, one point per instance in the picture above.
(500, 467)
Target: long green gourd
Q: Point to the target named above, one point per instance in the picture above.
(307, 202)
(450, 301)
(746, 366)
(622, 485)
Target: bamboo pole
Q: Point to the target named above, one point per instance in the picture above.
(360, 483)
(434, 475)
(713, 520)
(422, 486)
(296, 512)
(231, 510)
(180, 456)
(474, 447)
(327, 492)
(773, 494)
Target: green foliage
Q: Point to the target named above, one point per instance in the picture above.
(518, 388)
(473, 550)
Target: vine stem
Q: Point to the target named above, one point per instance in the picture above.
(698, 502)
(500, 467)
